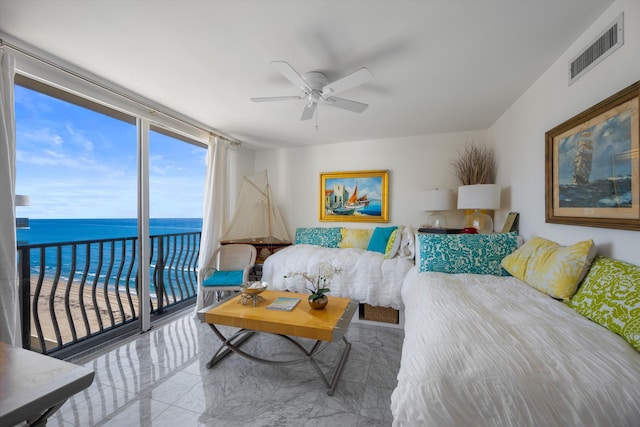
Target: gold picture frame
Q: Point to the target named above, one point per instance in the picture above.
(592, 170)
(361, 196)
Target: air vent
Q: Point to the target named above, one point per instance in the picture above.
(604, 45)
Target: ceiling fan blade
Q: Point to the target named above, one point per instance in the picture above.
(291, 75)
(346, 104)
(308, 111)
(358, 77)
(277, 98)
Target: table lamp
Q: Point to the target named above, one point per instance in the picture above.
(477, 197)
(434, 201)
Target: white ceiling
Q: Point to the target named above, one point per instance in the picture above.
(439, 66)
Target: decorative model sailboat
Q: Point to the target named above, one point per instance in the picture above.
(256, 219)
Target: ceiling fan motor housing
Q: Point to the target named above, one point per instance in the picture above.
(315, 79)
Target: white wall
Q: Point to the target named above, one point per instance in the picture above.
(415, 164)
(424, 162)
(519, 135)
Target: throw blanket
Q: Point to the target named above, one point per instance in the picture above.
(486, 350)
(365, 276)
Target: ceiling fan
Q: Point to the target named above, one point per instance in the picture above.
(316, 88)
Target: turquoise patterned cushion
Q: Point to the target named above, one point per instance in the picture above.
(321, 236)
(465, 253)
(610, 295)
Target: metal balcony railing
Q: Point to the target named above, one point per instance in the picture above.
(22, 222)
(75, 295)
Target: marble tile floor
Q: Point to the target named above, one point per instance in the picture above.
(160, 379)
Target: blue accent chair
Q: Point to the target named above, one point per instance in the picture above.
(227, 269)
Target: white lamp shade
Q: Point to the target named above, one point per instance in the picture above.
(436, 200)
(479, 196)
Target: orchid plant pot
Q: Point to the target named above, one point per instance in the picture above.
(319, 302)
(317, 284)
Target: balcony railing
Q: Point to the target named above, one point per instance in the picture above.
(22, 222)
(75, 295)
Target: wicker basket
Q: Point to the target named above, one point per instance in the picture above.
(380, 314)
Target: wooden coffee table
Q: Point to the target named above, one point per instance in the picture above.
(324, 326)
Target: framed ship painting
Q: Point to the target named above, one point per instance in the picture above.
(354, 196)
(592, 166)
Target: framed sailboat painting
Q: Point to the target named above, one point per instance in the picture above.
(592, 166)
(354, 196)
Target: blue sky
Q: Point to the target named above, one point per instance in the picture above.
(75, 163)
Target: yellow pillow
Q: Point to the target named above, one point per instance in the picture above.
(549, 267)
(355, 238)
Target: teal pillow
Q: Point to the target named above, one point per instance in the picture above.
(465, 253)
(379, 239)
(224, 278)
(328, 237)
(610, 296)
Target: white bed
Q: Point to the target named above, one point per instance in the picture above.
(365, 276)
(487, 350)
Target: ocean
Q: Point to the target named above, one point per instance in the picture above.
(50, 231)
(74, 230)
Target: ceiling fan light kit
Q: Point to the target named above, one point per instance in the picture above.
(317, 88)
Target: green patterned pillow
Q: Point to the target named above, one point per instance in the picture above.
(393, 244)
(610, 295)
(465, 253)
(321, 236)
(549, 267)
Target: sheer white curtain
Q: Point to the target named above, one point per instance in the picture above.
(215, 200)
(9, 302)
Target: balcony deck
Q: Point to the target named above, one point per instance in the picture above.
(159, 378)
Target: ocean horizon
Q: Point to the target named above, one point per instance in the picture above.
(56, 231)
(63, 230)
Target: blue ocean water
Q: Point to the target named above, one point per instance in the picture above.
(45, 231)
(74, 230)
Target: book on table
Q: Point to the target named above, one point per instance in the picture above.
(283, 304)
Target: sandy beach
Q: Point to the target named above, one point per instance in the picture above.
(88, 310)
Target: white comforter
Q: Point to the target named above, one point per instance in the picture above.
(365, 276)
(485, 350)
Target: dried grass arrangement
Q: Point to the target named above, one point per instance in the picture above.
(476, 164)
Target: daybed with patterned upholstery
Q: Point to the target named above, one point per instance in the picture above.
(370, 264)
